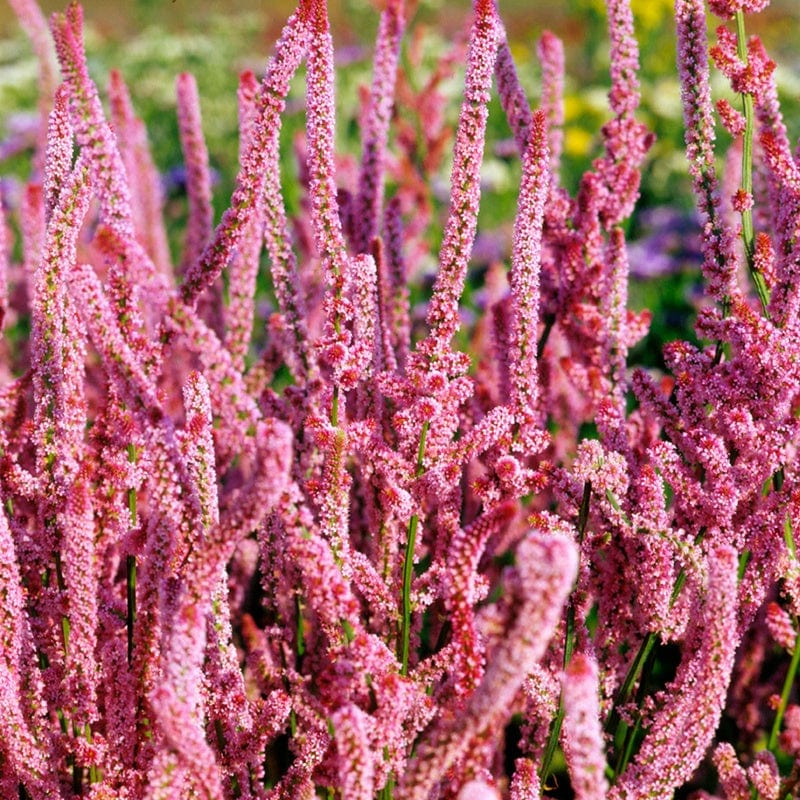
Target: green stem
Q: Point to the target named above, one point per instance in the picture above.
(788, 683)
(748, 230)
(408, 563)
(130, 564)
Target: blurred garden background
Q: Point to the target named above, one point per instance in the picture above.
(151, 41)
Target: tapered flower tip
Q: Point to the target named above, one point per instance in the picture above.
(478, 790)
(315, 14)
(485, 9)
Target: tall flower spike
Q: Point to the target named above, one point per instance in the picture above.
(465, 180)
(25, 748)
(719, 265)
(355, 761)
(60, 149)
(547, 567)
(243, 270)
(550, 52)
(525, 261)
(369, 200)
(321, 116)
(198, 176)
(250, 181)
(683, 729)
(57, 355)
(145, 183)
(582, 734)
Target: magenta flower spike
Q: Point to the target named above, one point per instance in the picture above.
(523, 370)
(512, 96)
(57, 353)
(60, 150)
(92, 131)
(25, 745)
(145, 185)
(720, 265)
(682, 730)
(369, 200)
(583, 736)
(198, 176)
(244, 265)
(547, 567)
(459, 234)
(351, 733)
(250, 183)
(550, 51)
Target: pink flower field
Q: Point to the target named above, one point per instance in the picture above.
(405, 529)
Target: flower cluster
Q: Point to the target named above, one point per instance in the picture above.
(373, 552)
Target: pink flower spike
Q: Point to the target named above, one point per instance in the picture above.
(199, 447)
(250, 181)
(550, 52)
(512, 96)
(60, 150)
(547, 566)
(582, 733)
(321, 123)
(92, 130)
(525, 263)
(145, 183)
(245, 262)
(57, 355)
(25, 746)
(720, 265)
(459, 234)
(624, 94)
(369, 200)
(198, 176)
(683, 729)
(81, 579)
(355, 760)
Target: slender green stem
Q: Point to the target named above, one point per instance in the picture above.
(130, 564)
(788, 683)
(408, 563)
(748, 230)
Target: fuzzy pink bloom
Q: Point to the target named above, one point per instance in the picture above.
(547, 566)
(582, 734)
(351, 726)
(198, 176)
(443, 316)
(525, 262)
(718, 242)
(682, 730)
(146, 195)
(368, 202)
(251, 179)
(525, 781)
